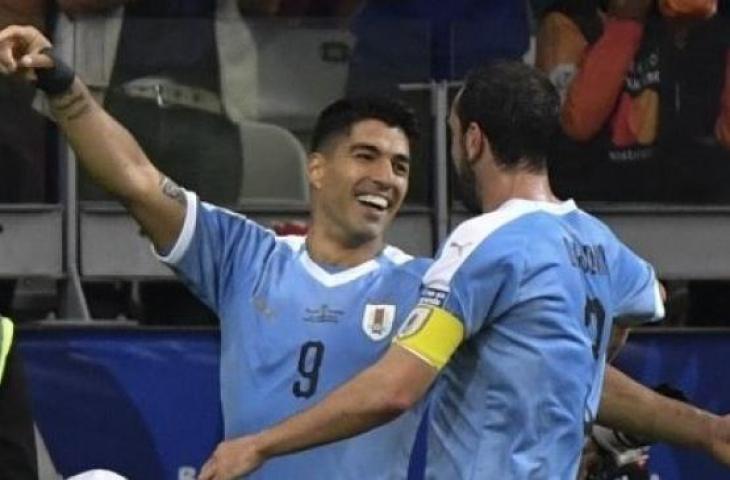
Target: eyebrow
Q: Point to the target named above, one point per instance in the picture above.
(376, 151)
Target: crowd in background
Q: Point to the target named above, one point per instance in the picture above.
(645, 87)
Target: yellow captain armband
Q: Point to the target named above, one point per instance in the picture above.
(431, 333)
(6, 339)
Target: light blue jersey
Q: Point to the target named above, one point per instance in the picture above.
(292, 331)
(537, 286)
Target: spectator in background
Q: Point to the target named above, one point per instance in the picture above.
(646, 111)
(646, 99)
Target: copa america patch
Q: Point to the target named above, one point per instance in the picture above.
(433, 296)
(415, 322)
(377, 321)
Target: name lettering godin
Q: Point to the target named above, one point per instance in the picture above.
(589, 258)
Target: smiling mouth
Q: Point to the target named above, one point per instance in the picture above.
(374, 201)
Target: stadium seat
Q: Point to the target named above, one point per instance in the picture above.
(301, 69)
(274, 165)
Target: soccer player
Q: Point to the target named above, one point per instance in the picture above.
(298, 316)
(272, 366)
(515, 313)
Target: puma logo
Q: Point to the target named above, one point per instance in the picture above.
(459, 246)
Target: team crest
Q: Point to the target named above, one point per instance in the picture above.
(415, 322)
(377, 321)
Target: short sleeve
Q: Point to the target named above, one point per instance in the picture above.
(635, 289)
(217, 248)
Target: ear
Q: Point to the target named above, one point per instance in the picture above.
(315, 170)
(475, 143)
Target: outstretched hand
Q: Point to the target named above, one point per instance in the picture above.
(21, 50)
(231, 459)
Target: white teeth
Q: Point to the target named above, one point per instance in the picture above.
(374, 200)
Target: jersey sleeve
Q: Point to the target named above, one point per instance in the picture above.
(471, 283)
(636, 296)
(215, 249)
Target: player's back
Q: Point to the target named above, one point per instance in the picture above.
(535, 287)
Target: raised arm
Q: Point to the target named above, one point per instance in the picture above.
(104, 148)
(631, 408)
(590, 78)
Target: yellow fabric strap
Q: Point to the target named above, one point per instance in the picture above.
(6, 338)
(431, 333)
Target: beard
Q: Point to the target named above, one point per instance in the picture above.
(467, 188)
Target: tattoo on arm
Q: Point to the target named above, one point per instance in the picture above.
(72, 106)
(173, 190)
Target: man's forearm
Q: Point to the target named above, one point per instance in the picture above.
(358, 406)
(104, 147)
(634, 409)
(377, 395)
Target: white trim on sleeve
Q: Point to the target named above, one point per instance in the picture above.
(186, 234)
(658, 303)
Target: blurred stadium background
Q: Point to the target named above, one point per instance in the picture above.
(121, 360)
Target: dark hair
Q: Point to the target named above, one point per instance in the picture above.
(340, 116)
(516, 107)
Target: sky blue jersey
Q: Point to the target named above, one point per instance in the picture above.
(537, 286)
(291, 331)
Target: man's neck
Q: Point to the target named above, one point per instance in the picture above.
(502, 186)
(329, 250)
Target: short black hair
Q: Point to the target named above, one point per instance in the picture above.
(516, 107)
(340, 116)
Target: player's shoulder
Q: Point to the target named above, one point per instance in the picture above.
(292, 242)
(405, 263)
(502, 235)
(514, 219)
(230, 220)
(597, 230)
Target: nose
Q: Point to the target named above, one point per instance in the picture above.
(383, 172)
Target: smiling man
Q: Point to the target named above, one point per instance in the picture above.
(301, 315)
(298, 315)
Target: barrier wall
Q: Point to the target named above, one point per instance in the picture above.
(145, 402)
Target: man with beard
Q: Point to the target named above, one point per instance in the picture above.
(515, 313)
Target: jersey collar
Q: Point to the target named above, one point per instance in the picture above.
(337, 278)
